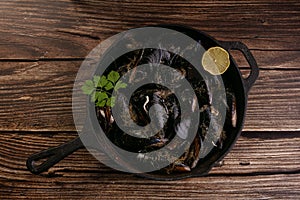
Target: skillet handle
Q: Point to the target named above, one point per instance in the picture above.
(249, 81)
(52, 156)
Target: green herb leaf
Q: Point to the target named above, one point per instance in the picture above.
(101, 104)
(93, 96)
(113, 76)
(120, 84)
(111, 101)
(96, 80)
(88, 87)
(100, 96)
(99, 86)
(109, 86)
(103, 81)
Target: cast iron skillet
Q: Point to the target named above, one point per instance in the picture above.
(240, 86)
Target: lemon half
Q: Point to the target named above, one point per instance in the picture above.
(215, 60)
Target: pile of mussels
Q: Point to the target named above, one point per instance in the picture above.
(152, 94)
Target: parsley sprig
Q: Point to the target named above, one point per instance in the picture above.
(100, 88)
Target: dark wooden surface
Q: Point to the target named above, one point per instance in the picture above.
(42, 44)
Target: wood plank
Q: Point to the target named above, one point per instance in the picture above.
(127, 187)
(273, 102)
(263, 187)
(70, 29)
(255, 152)
(270, 59)
(37, 96)
(273, 171)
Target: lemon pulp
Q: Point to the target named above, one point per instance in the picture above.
(215, 60)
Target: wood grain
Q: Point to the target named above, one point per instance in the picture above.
(42, 44)
(269, 152)
(41, 89)
(38, 96)
(127, 187)
(70, 29)
(270, 157)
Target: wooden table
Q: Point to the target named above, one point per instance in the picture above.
(42, 44)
